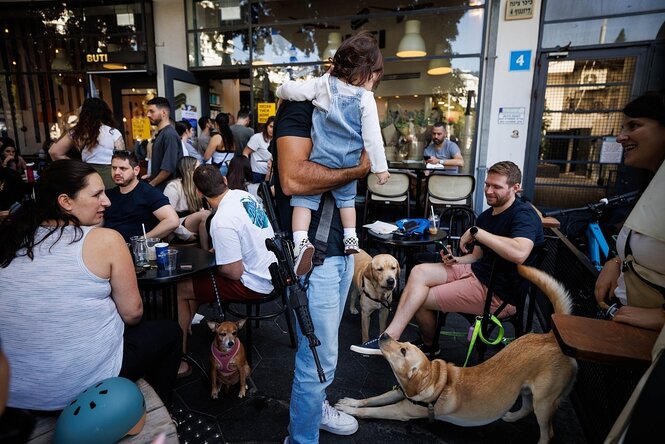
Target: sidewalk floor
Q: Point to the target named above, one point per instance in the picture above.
(263, 416)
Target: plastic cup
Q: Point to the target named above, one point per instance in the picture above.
(151, 242)
(160, 251)
(171, 260)
(433, 224)
(139, 250)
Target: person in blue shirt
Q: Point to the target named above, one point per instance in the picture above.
(442, 151)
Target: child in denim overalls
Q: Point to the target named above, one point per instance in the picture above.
(345, 121)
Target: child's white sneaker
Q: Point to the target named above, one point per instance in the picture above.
(303, 253)
(351, 245)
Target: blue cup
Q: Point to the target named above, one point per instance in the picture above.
(161, 250)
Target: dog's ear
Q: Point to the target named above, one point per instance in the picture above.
(369, 271)
(413, 384)
(399, 269)
(240, 323)
(212, 325)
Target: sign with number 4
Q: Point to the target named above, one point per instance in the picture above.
(520, 60)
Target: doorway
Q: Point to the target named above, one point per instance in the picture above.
(575, 121)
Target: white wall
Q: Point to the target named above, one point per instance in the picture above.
(170, 37)
(510, 88)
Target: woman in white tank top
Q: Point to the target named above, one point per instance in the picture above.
(70, 311)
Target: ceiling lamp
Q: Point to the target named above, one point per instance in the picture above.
(412, 44)
(334, 40)
(439, 67)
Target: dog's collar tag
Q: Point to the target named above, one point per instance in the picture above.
(224, 359)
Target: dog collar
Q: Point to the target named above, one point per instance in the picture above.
(224, 359)
(429, 405)
(384, 303)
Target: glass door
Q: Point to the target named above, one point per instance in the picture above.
(577, 117)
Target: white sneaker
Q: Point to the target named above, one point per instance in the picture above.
(303, 253)
(336, 422)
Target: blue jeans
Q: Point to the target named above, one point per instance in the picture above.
(327, 297)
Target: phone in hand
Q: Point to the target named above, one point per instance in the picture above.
(426, 158)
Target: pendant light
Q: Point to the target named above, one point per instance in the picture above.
(412, 44)
(439, 67)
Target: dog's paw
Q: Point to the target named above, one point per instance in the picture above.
(346, 404)
(242, 392)
(353, 310)
(214, 394)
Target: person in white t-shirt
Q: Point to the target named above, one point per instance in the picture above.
(238, 230)
(257, 150)
(94, 136)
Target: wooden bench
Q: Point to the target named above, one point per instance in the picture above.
(158, 420)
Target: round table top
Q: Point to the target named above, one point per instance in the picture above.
(199, 259)
(411, 241)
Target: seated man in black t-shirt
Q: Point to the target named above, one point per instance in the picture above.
(510, 230)
(135, 204)
(328, 284)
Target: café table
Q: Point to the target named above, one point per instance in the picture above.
(159, 287)
(400, 245)
(419, 167)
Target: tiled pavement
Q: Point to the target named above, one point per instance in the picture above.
(262, 417)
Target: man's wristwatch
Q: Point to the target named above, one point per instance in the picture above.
(473, 230)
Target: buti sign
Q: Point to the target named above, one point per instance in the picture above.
(96, 58)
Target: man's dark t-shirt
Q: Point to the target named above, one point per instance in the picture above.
(519, 220)
(295, 119)
(128, 211)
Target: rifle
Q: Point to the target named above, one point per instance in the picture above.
(284, 278)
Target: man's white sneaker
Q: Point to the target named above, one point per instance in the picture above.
(334, 421)
(303, 252)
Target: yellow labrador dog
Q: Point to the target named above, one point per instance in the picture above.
(374, 279)
(532, 366)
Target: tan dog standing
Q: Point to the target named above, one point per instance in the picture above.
(228, 363)
(374, 279)
(532, 366)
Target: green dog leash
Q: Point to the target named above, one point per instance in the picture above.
(477, 332)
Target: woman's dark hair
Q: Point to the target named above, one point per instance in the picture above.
(18, 230)
(264, 131)
(357, 58)
(94, 113)
(240, 172)
(222, 121)
(650, 105)
(182, 126)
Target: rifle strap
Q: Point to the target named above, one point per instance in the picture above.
(323, 230)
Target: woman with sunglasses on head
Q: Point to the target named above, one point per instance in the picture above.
(95, 136)
(643, 234)
(70, 311)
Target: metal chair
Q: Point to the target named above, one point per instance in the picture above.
(452, 193)
(394, 193)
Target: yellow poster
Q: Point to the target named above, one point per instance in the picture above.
(265, 110)
(140, 128)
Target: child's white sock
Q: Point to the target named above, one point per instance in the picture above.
(298, 236)
(349, 232)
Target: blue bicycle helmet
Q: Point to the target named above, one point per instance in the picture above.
(103, 413)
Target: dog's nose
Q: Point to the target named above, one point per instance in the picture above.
(391, 282)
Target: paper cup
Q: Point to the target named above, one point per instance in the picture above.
(160, 251)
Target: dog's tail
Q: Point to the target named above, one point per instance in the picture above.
(553, 289)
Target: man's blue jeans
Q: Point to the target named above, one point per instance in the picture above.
(328, 288)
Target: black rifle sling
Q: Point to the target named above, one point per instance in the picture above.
(322, 231)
